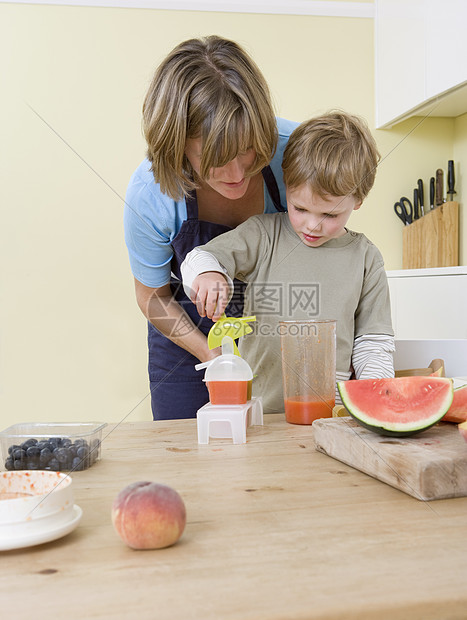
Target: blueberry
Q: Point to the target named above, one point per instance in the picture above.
(33, 451)
(29, 442)
(53, 464)
(9, 464)
(19, 454)
(13, 447)
(61, 454)
(66, 442)
(82, 452)
(78, 464)
(32, 465)
(45, 456)
(18, 464)
(42, 444)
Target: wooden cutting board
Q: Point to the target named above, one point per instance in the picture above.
(430, 465)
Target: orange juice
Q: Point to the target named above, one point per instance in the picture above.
(228, 392)
(306, 411)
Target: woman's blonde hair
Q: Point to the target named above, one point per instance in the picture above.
(334, 153)
(211, 89)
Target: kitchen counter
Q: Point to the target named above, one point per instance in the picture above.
(275, 530)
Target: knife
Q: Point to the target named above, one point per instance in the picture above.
(416, 214)
(432, 193)
(421, 198)
(451, 179)
(439, 187)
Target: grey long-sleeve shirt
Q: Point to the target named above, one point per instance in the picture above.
(344, 279)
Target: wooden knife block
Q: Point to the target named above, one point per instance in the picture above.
(432, 240)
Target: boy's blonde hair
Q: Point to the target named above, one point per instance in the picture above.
(334, 153)
(206, 88)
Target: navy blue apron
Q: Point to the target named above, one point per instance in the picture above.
(177, 389)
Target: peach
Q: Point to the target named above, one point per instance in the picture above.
(148, 515)
(463, 430)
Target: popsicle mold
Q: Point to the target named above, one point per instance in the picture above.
(228, 377)
(218, 422)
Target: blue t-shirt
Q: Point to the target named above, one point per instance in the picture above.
(152, 219)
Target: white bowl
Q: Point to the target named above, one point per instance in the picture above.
(34, 499)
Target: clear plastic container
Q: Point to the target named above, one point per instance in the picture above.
(228, 377)
(51, 446)
(308, 369)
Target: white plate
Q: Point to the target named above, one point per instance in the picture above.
(42, 534)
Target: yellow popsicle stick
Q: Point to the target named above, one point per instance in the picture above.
(235, 327)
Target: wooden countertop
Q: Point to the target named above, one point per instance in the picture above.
(275, 530)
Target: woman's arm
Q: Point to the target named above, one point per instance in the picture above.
(168, 316)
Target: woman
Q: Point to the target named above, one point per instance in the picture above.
(213, 159)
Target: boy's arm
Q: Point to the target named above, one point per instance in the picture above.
(207, 283)
(234, 254)
(372, 356)
(199, 261)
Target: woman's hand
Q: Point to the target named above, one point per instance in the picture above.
(211, 294)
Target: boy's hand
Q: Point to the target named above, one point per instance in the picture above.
(211, 294)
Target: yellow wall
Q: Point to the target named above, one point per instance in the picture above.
(72, 340)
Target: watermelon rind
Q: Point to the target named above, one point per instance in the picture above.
(457, 412)
(397, 407)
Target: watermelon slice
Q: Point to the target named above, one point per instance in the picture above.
(457, 412)
(397, 407)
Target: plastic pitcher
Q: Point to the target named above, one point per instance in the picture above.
(308, 369)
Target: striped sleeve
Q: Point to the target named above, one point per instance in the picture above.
(199, 261)
(372, 356)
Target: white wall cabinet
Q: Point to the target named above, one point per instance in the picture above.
(420, 59)
(429, 303)
(445, 45)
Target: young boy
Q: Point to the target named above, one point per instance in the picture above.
(305, 264)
